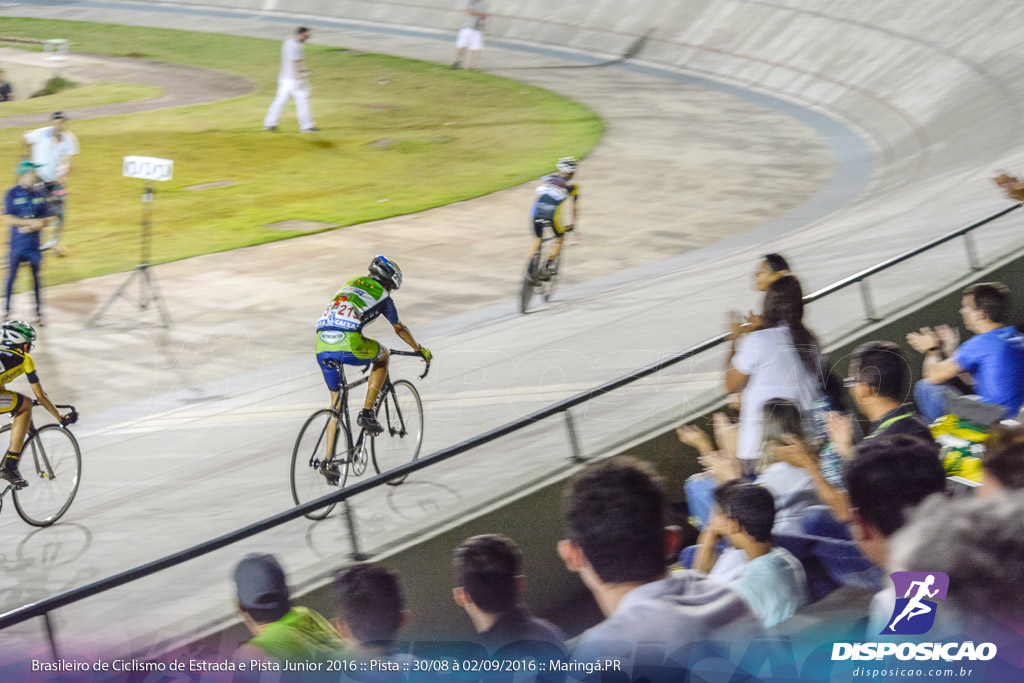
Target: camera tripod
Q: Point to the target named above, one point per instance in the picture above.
(149, 292)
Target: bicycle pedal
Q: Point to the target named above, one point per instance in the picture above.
(331, 473)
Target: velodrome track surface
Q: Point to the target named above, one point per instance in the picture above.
(194, 440)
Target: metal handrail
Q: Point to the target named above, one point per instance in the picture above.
(43, 607)
(896, 260)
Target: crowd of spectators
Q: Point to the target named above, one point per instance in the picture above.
(870, 469)
(800, 496)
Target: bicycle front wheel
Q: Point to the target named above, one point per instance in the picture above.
(309, 481)
(526, 293)
(51, 463)
(401, 415)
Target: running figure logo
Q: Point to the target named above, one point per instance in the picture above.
(914, 613)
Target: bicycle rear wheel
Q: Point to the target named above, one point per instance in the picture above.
(529, 281)
(51, 462)
(401, 415)
(308, 457)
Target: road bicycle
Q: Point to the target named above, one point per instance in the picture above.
(536, 282)
(316, 472)
(51, 463)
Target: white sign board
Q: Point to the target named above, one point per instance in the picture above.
(148, 168)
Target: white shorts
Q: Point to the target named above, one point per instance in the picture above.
(471, 38)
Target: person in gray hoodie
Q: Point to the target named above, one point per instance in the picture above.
(618, 542)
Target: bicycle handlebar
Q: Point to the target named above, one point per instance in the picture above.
(415, 354)
(70, 419)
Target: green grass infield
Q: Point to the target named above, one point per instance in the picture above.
(449, 136)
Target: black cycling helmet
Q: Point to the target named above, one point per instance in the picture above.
(386, 272)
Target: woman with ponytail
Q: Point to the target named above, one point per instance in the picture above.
(780, 358)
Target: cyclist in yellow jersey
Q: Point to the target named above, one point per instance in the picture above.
(16, 340)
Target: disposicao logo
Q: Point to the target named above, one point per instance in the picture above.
(914, 613)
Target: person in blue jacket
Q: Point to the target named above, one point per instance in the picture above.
(27, 212)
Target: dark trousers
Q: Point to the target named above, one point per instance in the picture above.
(34, 257)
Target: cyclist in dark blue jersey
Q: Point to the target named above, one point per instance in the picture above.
(552, 193)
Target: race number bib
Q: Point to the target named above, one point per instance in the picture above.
(343, 314)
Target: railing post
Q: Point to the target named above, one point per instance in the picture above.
(972, 251)
(865, 295)
(350, 521)
(51, 636)
(577, 452)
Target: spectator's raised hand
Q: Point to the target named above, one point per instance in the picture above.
(753, 321)
(737, 326)
(1013, 187)
(721, 466)
(923, 340)
(719, 525)
(695, 437)
(840, 433)
(726, 433)
(949, 338)
(794, 451)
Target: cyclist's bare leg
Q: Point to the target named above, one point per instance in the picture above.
(332, 426)
(377, 376)
(534, 248)
(19, 427)
(557, 248)
(11, 460)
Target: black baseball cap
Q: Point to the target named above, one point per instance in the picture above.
(260, 583)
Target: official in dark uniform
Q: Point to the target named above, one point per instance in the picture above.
(27, 212)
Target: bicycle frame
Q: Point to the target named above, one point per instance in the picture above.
(29, 434)
(341, 408)
(35, 458)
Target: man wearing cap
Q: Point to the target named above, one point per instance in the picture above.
(280, 631)
(292, 81)
(52, 148)
(27, 212)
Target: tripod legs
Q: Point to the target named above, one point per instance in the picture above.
(149, 292)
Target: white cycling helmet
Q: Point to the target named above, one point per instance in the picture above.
(567, 164)
(17, 332)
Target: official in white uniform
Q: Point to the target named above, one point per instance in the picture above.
(293, 81)
(471, 35)
(51, 149)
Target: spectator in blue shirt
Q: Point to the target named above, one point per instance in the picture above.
(26, 211)
(993, 359)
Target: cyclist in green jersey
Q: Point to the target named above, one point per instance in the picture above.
(339, 335)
